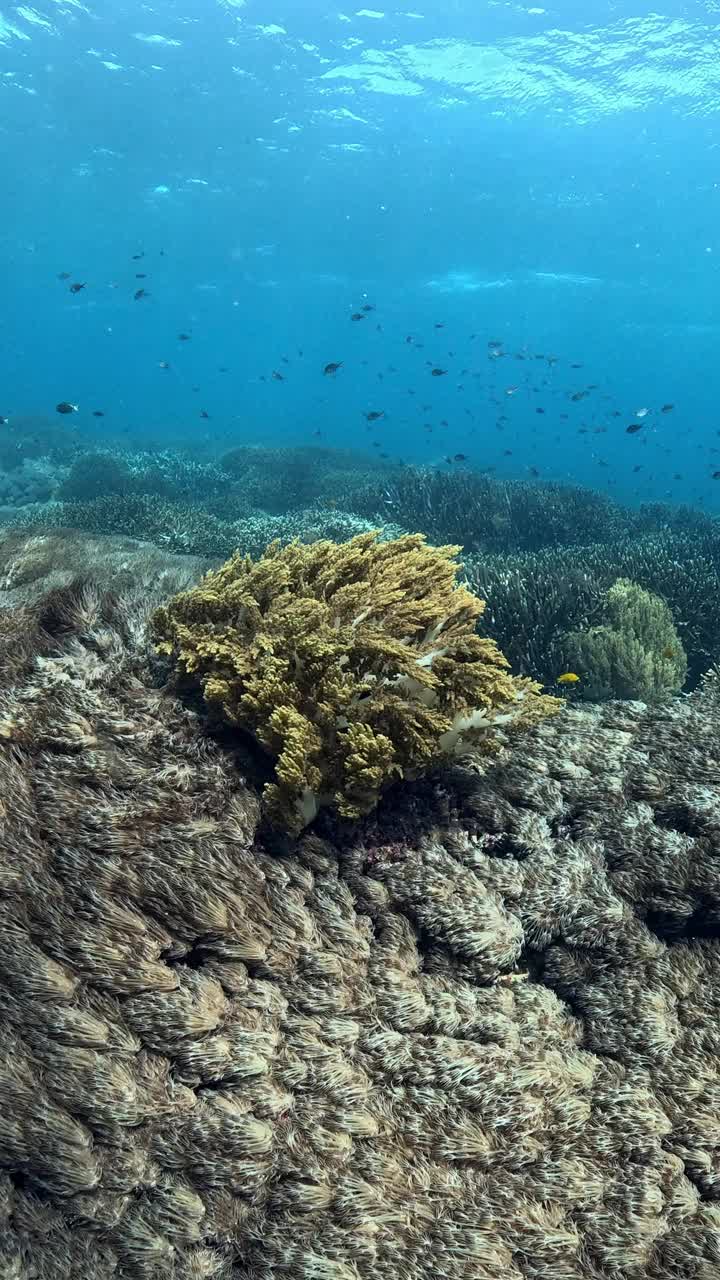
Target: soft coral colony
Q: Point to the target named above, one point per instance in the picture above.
(352, 665)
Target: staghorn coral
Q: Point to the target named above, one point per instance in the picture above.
(535, 599)
(170, 525)
(634, 653)
(482, 513)
(193, 529)
(352, 666)
(475, 1037)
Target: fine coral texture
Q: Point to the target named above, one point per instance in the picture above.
(474, 1037)
(351, 665)
(636, 653)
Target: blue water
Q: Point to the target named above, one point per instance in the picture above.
(544, 175)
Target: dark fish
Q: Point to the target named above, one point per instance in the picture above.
(438, 373)
(140, 293)
(184, 337)
(333, 366)
(409, 338)
(667, 408)
(204, 413)
(75, 288)
(539, 410)
(138, 256)
(460, 457)
(65, 407)
(638, 467)
(634, 426)
(716, 475)
(140, 275)
(374, 414)
(278, 377)
(63, 275)
(440, 326)
(579, 395)
(98, 413)
(357, 315)
(368, 307)
(284, 359)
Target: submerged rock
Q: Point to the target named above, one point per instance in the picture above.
(474, 1036)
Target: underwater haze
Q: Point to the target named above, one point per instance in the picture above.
(499, 220)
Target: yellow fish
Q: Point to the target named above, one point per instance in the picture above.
(568, 677)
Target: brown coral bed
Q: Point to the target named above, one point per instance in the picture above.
(475, 1036)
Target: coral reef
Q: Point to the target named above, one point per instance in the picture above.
(178, 527)
(535, 599)
(37, 564)
(482, 513)
(186, 527)
(634, 653)
(32, 480)
(164, 473)
(28, 436)
(353, 666)
(95, 475)
(475, 1036)
(285, 478)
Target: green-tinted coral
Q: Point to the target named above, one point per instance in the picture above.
(351, 665)
(535, 598)
(635, 653)
(95, 475)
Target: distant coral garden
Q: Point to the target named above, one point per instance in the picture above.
(546, 558)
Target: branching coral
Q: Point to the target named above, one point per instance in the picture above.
(536, 598)
(351, 665)
(635, 653)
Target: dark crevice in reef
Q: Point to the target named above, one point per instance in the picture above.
(698, 1180)
(195, 956)
(703, 923)
(678, 817)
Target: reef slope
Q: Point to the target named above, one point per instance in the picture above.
(476, 1035)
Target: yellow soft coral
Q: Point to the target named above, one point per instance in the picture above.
(352, 665)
